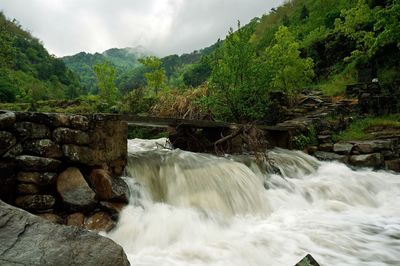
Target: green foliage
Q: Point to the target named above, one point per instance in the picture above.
(27, 71)
(105, 74)
(360, 127)
(356, 23)
(235, 78)
(306, 139)
(155, 75)
(285, 69)
(137, 102)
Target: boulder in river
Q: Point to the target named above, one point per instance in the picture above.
(74, 191)
(108, 187)
(30, 240)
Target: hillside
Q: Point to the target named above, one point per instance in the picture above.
(27, 71)
(122, 60)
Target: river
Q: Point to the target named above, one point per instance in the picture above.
(198, 209)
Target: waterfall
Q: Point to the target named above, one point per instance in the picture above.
(199, 209)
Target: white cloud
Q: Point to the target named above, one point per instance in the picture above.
(162, 26)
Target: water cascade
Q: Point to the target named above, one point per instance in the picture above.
(199, 209)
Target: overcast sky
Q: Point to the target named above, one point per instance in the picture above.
(162, 26)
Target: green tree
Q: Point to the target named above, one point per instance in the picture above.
(304, 13)
(235, 77)
(387, 26)
(356, 23)
(155, 76)
(285, 70)
(105, 74)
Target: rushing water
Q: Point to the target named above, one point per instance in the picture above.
(197, 209)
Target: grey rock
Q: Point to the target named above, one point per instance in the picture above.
(342, 148)
(31, 130)
(35, 202)
(51, 217)
(74, 191)
(41, 179)
(7, 140)
(30, 240)
(34, 163)
(70, 136)
(43, 147)
(330, 156)
(367, 160)
(79, 122)
(373, 146)
(7, 119)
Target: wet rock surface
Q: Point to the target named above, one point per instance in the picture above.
(108, 187)
(30, 240)
(74, 191)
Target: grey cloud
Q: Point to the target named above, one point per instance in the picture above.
(162, 26)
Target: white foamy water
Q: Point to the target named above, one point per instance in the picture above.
(197, 209)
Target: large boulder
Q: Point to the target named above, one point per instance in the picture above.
(74, 191)
(367, 160)
(109, 188)
(30, 240)
(43, 147)
(34, 163)
(70, 136)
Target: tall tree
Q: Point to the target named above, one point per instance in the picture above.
(235, 75)
(155, 75)
(285, 69)
(105, 74)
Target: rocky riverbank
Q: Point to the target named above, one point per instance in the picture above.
(64, 168)
(378, 154)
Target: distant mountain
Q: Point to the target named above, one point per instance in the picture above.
(27, 71)
(123, 59)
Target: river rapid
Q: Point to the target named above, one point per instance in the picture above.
(198, 209)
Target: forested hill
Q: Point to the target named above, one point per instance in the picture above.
(129, 71)
(122, 60)
(27, 72)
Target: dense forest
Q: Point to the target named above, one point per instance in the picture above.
(303, 44)
(27, 72)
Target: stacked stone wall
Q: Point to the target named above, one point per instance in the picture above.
(65, 168)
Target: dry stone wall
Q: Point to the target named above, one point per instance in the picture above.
(65, 168)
